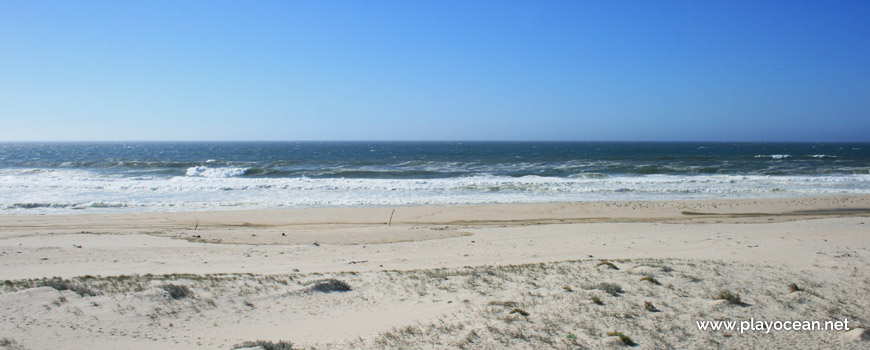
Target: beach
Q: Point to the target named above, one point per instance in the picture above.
(413, 175)
(533, 275)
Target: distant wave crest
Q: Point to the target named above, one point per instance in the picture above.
(93, 204)
(774, 156)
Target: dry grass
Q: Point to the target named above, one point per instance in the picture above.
(126, 284)
(519, 311)
(176, 291)
(609, 288)
(648, 306)
(10, 344)
(506, 304)
(328, 285)
(622, 337)
(266, 345)
(650, 279)
(731, 298)
(607, 264)
(61, 284)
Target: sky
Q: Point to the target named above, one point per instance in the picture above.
(435, 70)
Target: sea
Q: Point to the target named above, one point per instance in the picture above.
(75, 177)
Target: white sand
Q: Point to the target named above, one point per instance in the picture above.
(751, 247)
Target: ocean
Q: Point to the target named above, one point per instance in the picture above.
(56, 178)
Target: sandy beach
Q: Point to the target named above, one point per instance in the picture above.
(526, 276)
(429, 175)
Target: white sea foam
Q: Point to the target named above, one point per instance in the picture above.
(202, 171)
(822, 156)
(774, 156)
(60, 191)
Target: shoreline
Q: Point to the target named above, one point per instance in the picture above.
(219, 224)
(362, 239)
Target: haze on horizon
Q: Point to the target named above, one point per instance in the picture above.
(435, 70)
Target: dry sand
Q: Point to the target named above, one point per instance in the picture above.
(438, 277)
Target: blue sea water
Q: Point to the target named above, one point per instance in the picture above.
(178, 176)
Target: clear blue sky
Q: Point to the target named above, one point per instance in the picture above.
(435, 70)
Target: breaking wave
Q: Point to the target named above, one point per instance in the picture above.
(202, 171)
(774, 156)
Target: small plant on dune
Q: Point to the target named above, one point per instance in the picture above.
(731, 298)
(176, 291)
(608, 264)
(622, 337)
(567, 288)
(10, 344)
(328, 285)
(61, 284)
(266, 345)
(506, 303)
(7, 342)
(610, 288)
(693, 279)
(650, 279)
(519, 311)
(596, 300)
(648, 306)
(794, 288)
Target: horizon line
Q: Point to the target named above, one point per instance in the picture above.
(433, 141)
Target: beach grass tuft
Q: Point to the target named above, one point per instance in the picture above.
(731, 298)
(506, 303)
(650, 279)
(10, 344)
(265, 345)
(328, 285)
(177, 291)
(607, 264)
(609, 288)
(622, 337)
(519, 311)
(62, 284)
